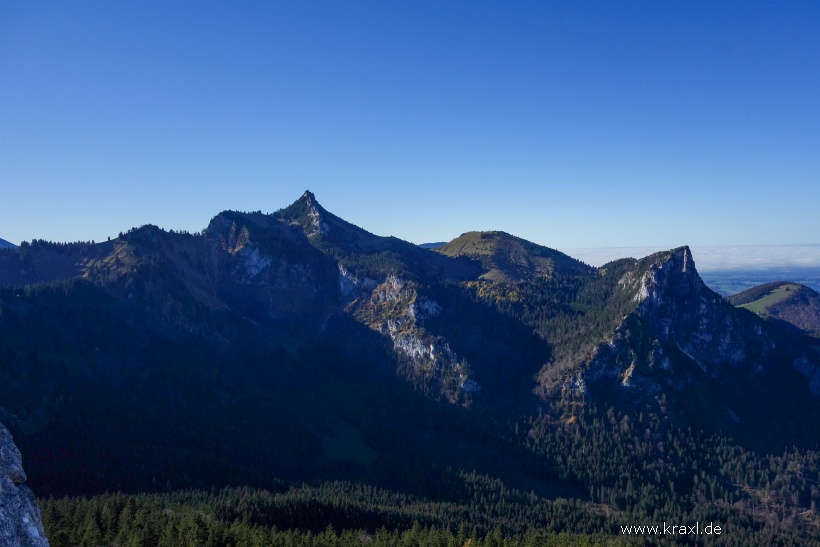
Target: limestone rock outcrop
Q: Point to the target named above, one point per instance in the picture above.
(20, 522)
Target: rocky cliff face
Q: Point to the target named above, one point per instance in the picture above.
(677, 336)
(267, 269)
(397, 310)
(683, 313)
(20, 524)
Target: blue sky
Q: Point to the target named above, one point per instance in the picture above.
(572, 124)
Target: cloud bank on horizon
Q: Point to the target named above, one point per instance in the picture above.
(716, 258)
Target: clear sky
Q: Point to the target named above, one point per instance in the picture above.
(572, 124)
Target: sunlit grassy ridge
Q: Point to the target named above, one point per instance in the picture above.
(785, 303)
(508, 258)
(758, 299)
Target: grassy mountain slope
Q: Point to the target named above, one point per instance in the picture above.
(508, 258)
(783, 303)
(758, 298)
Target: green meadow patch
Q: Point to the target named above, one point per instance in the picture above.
(771, 298)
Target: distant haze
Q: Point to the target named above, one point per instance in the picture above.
(716, 258)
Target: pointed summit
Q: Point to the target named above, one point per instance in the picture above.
(668, 273)
(682, 257)
(308, 199)
(307, 213)
(326, 229)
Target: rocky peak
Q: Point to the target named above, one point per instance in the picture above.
(20, 523)
(341, 238)
(307, 212)
(673, 325)
(232, 229)
(317, 223)
(682, 311)
(668, 276)
(228, 233)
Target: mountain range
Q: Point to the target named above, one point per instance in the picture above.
(298, 346)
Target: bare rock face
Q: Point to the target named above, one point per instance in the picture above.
(674, 318)
(684, 313)
(395, 308)
(20, 523)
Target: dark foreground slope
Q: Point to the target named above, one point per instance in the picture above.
(269, 350)
(257, 350)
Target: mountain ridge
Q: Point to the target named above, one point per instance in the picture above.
(304, 262)
(340, 354)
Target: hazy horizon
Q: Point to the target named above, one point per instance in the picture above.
(714, 257)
